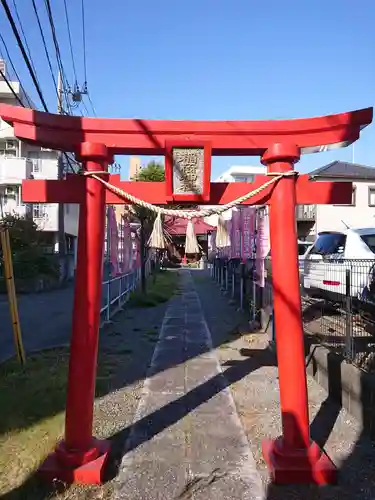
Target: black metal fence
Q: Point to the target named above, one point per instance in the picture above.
(337, 295)
(338, 304)
(238, 280)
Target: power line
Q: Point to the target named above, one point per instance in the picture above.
(91, 104)
(14, 70)
(85, 108)
(57, 50)
(45, 45)
(84, 39)
(29, 67)
(3, 76)
(25, 56)
(23, 34)
(70, 41)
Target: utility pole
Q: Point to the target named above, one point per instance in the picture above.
(76, 96)
(60, 176)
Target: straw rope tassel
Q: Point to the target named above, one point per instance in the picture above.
(157, 238)
(191, 242)
(222, 235)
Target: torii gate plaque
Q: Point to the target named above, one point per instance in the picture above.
(292, 457)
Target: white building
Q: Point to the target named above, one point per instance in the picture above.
(20, 161)
(236, 173)
(361, 212)
(313, 219)
(241, 173)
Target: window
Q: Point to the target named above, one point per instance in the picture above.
(369, 239)
(302, 248)
(38, 211)
(12, 193)
(371, 196)
(4, 151)
(10, 153)
(243, 178)
(11, 145)
(35, 160)
(329, 243)
(36, 165)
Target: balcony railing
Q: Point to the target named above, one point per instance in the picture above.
(14, 169)
(306, 213)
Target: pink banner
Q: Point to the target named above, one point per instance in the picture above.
(212, 250)
(262, 246)
(227, 250)
(247, 231)
(126, 247)
(236, 235)
(114, 241)
(136, 255)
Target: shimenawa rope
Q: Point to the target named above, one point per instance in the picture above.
(190, 214)
(158, 239)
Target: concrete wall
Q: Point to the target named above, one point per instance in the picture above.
(346, 384)
(330, 217)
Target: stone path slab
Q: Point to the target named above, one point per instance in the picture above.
(187, 441)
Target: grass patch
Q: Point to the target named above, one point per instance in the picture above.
(151, 336)
(158, 292)
(32, 402)
(199, 278)
(151, 332)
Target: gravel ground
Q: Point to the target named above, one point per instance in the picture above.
(249, 367)
(133, 332)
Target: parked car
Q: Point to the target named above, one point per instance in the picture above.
(336, 255)
(303, 246)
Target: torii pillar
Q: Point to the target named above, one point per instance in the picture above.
(292, 458)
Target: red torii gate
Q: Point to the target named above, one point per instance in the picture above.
(291, 458)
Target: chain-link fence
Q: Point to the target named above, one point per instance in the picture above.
(338, 304)
(338, 301)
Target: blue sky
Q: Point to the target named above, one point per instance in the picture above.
(215, 59)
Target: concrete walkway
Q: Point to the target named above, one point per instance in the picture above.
(187, 441)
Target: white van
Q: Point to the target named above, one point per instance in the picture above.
(325, 264)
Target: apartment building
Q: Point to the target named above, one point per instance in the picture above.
(20, 161)
(236, 173)
(134, 167)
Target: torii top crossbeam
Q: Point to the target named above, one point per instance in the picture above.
(143, 137)
(136, 136)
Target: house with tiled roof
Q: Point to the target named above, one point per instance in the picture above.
(359, 213)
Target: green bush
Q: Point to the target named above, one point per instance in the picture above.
(29, 260)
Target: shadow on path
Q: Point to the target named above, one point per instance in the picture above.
(356, 473)
(356, 479)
